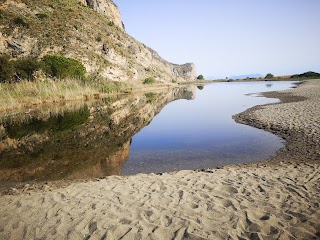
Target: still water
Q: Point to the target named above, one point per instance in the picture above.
(201, 133)
(181, 128)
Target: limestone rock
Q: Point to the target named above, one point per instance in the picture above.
(90, 31)
(107, 8)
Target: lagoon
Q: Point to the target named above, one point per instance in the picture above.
(200, 133)
(188, 127)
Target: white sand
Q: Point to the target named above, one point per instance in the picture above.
(263, 201)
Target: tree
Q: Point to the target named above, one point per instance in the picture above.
(62, 67)
(307, 75)
(6, 69)
(269, 76)
(200, 77)
(26, 67)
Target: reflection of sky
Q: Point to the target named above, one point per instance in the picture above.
(205, 126)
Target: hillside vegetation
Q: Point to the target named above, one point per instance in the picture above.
(90, 32)
(307, 75)
(73, 49)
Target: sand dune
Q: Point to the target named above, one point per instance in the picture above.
(275, 199)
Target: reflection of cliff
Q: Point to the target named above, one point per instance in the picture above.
(110, 165)
(93, 141)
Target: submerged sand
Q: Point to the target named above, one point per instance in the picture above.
(275, 199)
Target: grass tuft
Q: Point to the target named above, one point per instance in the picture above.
(149, 80)
(26, 94)
(41, 15)
(19, 21)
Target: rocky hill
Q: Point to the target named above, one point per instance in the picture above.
(90, 31)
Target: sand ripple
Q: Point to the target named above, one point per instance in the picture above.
(231, 203)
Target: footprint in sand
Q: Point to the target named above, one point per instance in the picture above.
(165, 221)
(194, 205)
(265, 217)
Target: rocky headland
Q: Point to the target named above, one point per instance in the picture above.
(90, 31)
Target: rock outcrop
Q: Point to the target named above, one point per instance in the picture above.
(106, 8)
(90, 31)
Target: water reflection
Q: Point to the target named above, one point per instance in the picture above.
(90, 140)
(202, 134)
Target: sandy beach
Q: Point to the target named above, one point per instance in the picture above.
(271, 199)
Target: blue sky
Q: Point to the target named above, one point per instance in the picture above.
(229, 37)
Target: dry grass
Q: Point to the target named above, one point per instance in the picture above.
(25, 94)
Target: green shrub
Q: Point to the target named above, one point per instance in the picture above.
(62, 67)
(150, 96)
(41, 15)
(149, 80)
(98, 39)
(19, 21)
(26, 67)
(269, 76)
(200, 77)
(6, 69)
(307, 75)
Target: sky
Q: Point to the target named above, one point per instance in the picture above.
(229, 37)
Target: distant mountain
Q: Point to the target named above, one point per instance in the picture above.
(256, 75)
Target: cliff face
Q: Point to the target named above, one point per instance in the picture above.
(106, 8)
(90, 31)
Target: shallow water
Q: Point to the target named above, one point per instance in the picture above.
(202, 134)
(181, 128)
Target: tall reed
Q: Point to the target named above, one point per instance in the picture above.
(25, 94)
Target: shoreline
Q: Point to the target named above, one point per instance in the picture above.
(275, 199)
(84, 95)
(89, 93)
(300, 144)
